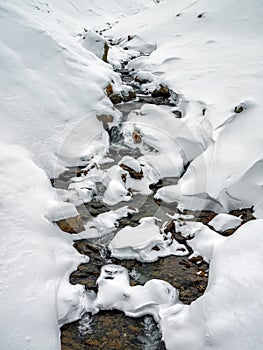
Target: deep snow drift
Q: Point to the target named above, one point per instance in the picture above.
(36, 258)
(51, 89)
(53, 85)
(211, 54)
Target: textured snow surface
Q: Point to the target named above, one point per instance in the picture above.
(36, 258)
(222, 222)
(52, 86)
(51, 89)
(211, 53)
(228, 316)
(140, 242)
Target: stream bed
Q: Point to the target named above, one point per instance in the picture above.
(111, 330)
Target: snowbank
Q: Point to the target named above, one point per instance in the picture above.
(36, 258)
(51, 89)
(228, 315)
(210, 53)
(51, 86)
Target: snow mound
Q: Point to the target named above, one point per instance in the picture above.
(200, 55)
(36, 257)
(229, 306)
(222, 222)
(145, 242)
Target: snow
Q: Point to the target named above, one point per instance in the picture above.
(105, 223)
(229, 306)
(210, 54)
(52, 87)
(115, 292)
(175, 142)
(144, 242)
(36, 258)
(222, 222)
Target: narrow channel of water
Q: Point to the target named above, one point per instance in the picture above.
(110, 330)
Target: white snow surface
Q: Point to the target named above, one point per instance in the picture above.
(51, 86)
(228, 316)
(139, 242)
(36, 258)
(51, 89)
(211, 54)
(222, 222)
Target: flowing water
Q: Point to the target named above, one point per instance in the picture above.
(111, 330)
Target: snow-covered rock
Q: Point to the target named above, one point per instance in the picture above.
(145, 242)
(222, 222)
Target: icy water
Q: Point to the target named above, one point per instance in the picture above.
(111, 330)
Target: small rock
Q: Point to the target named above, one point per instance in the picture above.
(129, 97)
(115, 98)
(177, 113)
(162, 91)
(140, 80)
(109, 90)
(105, 118)
(133, 174)
(71, 225)
(136, 136)
(238, 109)
(105, 54)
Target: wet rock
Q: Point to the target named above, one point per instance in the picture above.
(116, 98)
(141, 81)
(238, 109)
(105, 54)
(71, 225)
(136, 136)
(109, 90)
(131, 96)
(105, 118)
(162, 91)
(133, 174)
(178, 114)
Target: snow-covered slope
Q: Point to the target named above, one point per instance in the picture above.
(36, 258)
(51, 88)
(50, 84)
(211, 53)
